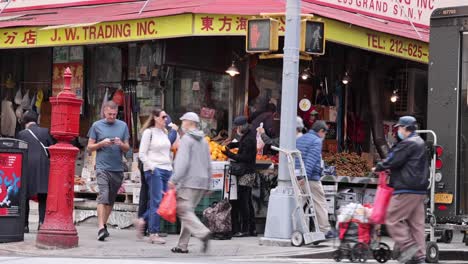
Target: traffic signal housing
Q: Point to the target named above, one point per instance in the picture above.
(262, 35)
(312, 37)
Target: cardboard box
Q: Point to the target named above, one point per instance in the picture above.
(369, 196)
(330, 203)
(329, 113)
(217, 175)
(329, 189)
(136, 195)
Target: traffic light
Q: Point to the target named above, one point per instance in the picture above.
(312, 37)
(262, 35)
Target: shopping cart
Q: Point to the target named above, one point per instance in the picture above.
(304, 210)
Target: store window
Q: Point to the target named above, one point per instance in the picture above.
(25, 82)
(463, 133)
(202, 92)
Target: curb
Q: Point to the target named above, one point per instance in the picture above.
(446, 255)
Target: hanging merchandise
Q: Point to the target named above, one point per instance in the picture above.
(39, 99)
(26, 102)
(19, 113)
(18, 97)
(8, 121)
(118, 97)
(104, 101)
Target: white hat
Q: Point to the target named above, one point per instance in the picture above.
(191, 116)
(299, 123)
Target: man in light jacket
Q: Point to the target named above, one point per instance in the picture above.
(192, 174)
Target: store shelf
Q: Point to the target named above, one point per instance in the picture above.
(349, 179)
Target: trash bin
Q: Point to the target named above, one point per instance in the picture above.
(13, 158)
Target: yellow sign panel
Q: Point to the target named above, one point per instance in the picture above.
(203, 25)
(376, 41)
(339, 32)
(443, 198)
(121, 31)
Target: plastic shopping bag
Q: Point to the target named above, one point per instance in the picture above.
(167, 208)
(382, 200)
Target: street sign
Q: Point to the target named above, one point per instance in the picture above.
(262, 35)
(313, 37)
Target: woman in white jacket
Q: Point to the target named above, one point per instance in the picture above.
(155, 154)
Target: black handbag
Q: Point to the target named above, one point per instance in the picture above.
(237, 169)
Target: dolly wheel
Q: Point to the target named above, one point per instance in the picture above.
(337, 255)
(297, 239)
(382, 253)
(447, 236)
(360, 253)
(432, 252)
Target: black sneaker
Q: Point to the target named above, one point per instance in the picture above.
(107, 232)
(102, 234)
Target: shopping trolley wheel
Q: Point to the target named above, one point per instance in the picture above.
(432, 252)
(337, 255)
(360, 253)
(447, 236)
(297, 239)
(382, 253)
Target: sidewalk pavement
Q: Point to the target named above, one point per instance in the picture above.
(124, 244)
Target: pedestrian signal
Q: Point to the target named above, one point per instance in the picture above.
(262, 35)
(312, 37)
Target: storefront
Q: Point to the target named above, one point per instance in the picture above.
(177, 61)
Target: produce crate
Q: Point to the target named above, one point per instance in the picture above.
(207, 201)
(170, 228)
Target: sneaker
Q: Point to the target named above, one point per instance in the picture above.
(140, 227)
(206, 242)
(102, 234)
(162, 234)
(331, 234)
(408, 254)
(107, 232)
(156, 239)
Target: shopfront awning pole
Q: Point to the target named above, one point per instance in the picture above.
(281, 204)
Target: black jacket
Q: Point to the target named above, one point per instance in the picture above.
(247, 153)
(409, 166)
(38, 162)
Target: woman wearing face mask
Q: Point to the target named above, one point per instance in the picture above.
(243, 167)
(155, 154)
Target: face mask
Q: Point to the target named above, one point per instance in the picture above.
(400, 135)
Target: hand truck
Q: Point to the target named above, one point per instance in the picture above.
(304, 210)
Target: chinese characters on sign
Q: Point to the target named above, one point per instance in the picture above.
(226, 24)
(132, 30)
(10, 183)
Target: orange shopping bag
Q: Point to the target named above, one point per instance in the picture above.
(167, 208)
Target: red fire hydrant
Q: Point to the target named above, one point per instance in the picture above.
(58, 230)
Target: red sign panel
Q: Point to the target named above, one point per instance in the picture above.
(10, 183)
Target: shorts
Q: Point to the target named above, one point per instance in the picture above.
(109, 183)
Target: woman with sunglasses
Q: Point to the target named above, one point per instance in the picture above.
(155, 154)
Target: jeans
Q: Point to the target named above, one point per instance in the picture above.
(157, 184)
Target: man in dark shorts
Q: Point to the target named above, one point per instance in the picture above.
(109, 138)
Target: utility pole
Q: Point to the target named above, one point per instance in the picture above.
(282, 203)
